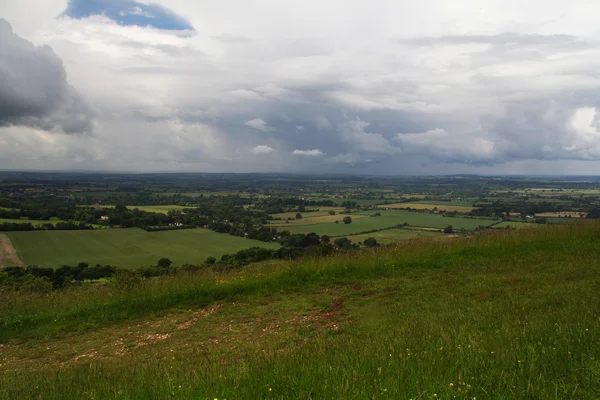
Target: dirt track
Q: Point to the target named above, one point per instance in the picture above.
(8, 254)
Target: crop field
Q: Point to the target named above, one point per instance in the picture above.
(361, 202)
(126, 248)
(157, 209)
(310, 220)
(323, 211)
(517, 225)
(563, 214)
(439, 206)
(394, 235)
(464, 202)
(388, 219)
(33, 222)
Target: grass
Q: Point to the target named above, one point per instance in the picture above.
(439, 206)
(125, 247)
(388, 219)
(516, 225)
(394, 235)
(33, 222)
(501, 315)
(158, 209)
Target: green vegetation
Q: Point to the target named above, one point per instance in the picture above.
(30, 221)
(388, 219)
(158, 209)
(394, 235)
(516, 225)
(126, 248)
(502, 315)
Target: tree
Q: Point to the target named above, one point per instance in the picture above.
(210, 261)
(448, 229)
(164, 263)
(347, 220)
(370, 242)
(325, 239)
(343, 243)
(298, 216)
(331, 212)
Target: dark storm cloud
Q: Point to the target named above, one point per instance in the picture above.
(33, 88)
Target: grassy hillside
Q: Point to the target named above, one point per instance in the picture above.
(126, 248)
(502, 315)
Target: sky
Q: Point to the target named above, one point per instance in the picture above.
(388, 87)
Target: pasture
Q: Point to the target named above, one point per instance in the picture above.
(33, 222)
(394, 235)
(388, 219)
(516, 225)
(126, 248)
(427, 206)
(158, 209)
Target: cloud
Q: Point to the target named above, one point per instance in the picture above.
(438, 144)
(502, 87)
(261, 149)
(259, 124)
(308, 153)
(34, 90)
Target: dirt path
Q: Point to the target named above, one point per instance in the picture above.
(8, 254)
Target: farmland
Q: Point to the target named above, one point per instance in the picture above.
(29, 221)
(421, 206)
(389, 218)
(388, 236)
(158, 209)
(126, 248)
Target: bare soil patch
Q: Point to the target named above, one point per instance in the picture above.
(8, 254)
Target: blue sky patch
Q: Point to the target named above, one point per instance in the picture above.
(128, 13)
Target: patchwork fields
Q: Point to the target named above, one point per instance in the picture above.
(364, 221)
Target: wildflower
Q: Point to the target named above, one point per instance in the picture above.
(270, 389)
(451, 384)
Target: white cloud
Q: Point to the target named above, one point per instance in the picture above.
(259, 124)
(261, 149)
(309, 153)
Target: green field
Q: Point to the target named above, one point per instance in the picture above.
(501, 315)
(360, 202)
(516, 225)
(30, 221)
(157, 209)
(389, 218)
(126, 248)
(394, 235)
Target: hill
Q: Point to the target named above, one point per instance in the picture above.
(501, 315)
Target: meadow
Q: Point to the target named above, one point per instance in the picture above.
(158, 209)
(430, 206)
(501, 315)
(33, 222)
(388, 219)
(126, 248)
(389, 236)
